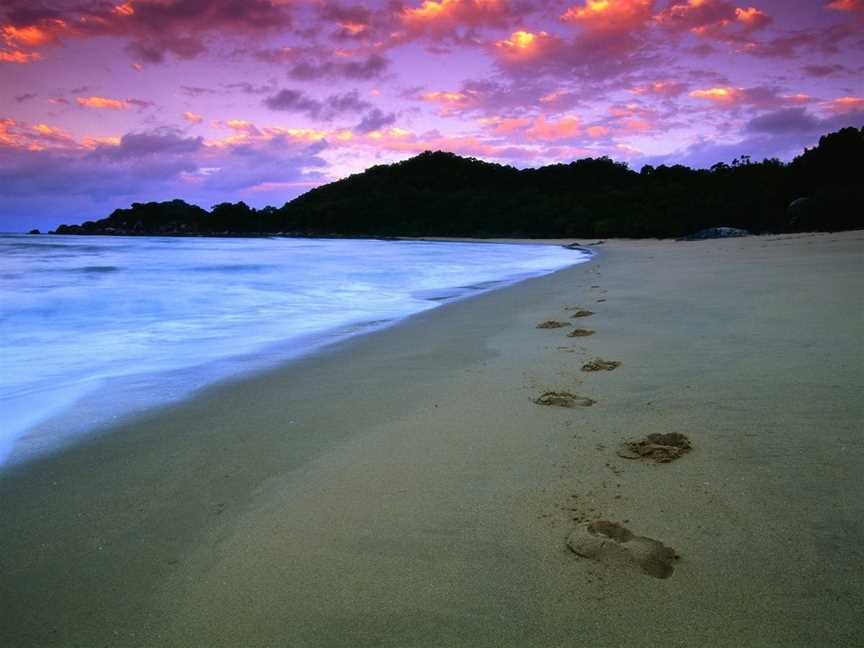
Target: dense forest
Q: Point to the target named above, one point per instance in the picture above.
(442, 194)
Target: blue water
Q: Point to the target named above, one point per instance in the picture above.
(149, 320)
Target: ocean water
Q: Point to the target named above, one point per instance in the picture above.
(95, 328)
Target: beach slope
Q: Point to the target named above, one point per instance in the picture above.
(405, 489)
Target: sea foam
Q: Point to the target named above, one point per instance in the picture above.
(152, 319)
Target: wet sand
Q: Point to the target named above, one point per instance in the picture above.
(404, 488)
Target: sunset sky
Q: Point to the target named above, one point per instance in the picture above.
(105, 103)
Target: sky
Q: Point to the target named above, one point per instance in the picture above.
(104, 103)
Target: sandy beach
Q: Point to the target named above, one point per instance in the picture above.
(404, 489)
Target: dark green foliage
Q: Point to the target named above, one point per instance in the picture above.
(442, 194)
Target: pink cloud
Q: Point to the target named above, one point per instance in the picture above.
(660, 88)
(152, 28)
(720, 95)
(846, 105)
(846, 5)
(15, 134)
(17, 56)
(716, 19)
(102, 103)
(609, 15)
(446, 15)
(551, 131)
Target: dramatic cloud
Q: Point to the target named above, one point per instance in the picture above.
(846, 5)
(112, 104)
(152, 28)
(211, 100)
(610, 15)
(295, 101)
(375, 120)
(789, 120)
(304, 64)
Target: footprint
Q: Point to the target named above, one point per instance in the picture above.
(612, 544)
(580, 332)
(582, 312)
(598, 364)
(657, 447)
(564, 399)
(552, 324)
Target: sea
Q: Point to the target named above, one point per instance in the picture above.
(94, 329)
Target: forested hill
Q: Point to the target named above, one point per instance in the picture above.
(442, 194)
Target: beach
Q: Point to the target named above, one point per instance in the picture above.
(403, 488)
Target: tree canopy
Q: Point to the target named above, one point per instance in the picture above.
(443, 194)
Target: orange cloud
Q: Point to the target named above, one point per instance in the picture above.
(448, 102)
(609, 15)
(38, 137)
(846, 5)
(125, 9)
(720, 95)
(713, 18)
(247, 133)
(597, 131)
(752, 17)
(444, 97)
(430, 10)
(33, 35)
(846, 105)
(407, 142)
(353, 28)
(102, 103)
(444, 14)
(548, 131)
(661, 88)
(241, 125)
(635, 125)
(520, 40)
(524, 46)
(193, 118)
(97, 141)
(17, 56)
(505, 125)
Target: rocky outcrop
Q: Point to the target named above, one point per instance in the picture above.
(715, 233)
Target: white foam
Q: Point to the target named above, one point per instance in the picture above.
(155, 318)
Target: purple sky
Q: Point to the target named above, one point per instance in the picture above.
(105, 103)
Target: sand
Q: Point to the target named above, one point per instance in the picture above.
(403, 489)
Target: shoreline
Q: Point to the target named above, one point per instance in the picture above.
(80, 419)
(401, 488)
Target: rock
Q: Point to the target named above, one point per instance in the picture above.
(34, 231)
(577, 247)
(715, 233)
(798, 212)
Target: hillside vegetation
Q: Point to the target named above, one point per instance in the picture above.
(442, 194)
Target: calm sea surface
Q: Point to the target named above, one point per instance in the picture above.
(92, 328)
